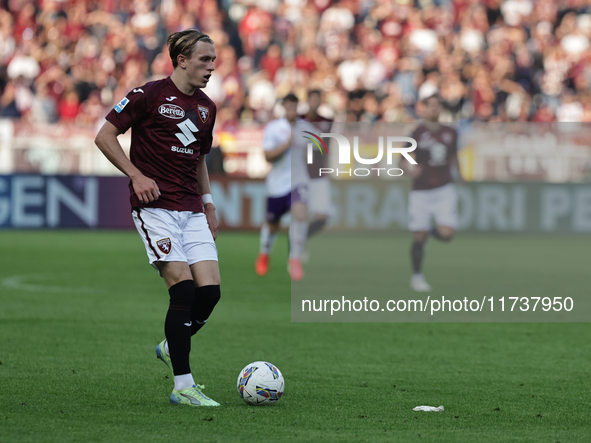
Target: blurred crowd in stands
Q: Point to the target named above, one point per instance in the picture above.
(373, 60)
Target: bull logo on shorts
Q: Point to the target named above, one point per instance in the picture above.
(164, 245)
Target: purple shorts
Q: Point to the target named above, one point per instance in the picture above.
(278, 206)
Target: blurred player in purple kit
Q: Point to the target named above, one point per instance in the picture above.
(287, 187)
(172, 124)
(433, 195)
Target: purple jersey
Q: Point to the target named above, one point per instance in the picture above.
(170, 132)
(435, 150)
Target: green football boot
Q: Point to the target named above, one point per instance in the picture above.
(192, 397)
(161, 354)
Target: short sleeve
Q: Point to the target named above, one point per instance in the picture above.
(276, 132)
(130, 109)
(269, 142)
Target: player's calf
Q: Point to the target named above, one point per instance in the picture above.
(269, 232)
(298, 233)
(316, 225)
(206, 297)
(416, 254)
(177, 326)
(443, 233)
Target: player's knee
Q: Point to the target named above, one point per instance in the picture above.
(446, 234)
(173, 273)
(181, 294)
(208, 296)
(300, 217)
(299, 214)
(447, 237)
(420, 237)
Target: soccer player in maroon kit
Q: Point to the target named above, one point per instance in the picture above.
(433, 194)
(171, 123)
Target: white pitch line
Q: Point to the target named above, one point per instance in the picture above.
(19, 282)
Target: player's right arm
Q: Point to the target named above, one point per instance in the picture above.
(274, 143)
(276, 153)
(454, 161)
(145, 188)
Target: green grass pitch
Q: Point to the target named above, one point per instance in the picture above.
(81, 314)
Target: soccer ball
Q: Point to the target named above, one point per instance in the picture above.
(260, 383)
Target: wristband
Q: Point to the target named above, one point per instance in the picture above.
(207, 199)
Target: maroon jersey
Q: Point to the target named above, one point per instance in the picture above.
(435, 150)
(170, 132)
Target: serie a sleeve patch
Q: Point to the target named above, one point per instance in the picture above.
(119, 106)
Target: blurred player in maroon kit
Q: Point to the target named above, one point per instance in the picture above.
(433, 194)
(172, 124)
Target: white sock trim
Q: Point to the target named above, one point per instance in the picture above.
(183, 381)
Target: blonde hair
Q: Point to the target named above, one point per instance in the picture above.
(182, 42)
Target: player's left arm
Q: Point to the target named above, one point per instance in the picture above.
(205, 188)
(413, 170)
(456, 170)
(454, 162)
(203, 177)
